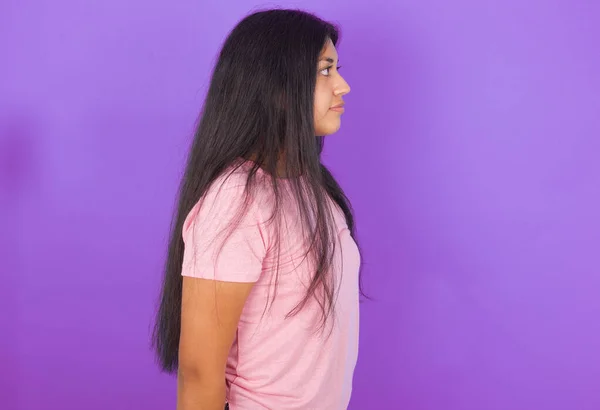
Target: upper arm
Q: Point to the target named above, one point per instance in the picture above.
(223, 258)
(210, 312)
(225, 239)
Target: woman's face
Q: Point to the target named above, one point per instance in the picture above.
(330, 88)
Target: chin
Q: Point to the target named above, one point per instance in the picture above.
(328, 129)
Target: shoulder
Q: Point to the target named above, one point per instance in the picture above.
(235, 185)
(231, 195)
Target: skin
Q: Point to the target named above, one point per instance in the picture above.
(211, 310)
(329, 92)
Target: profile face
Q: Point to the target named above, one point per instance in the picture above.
(329, 91)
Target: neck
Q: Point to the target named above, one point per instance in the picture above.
(280, 172)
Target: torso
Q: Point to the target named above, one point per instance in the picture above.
(287, 363)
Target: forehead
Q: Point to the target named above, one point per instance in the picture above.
(329, 50)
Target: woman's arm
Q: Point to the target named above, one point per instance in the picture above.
(210, 312)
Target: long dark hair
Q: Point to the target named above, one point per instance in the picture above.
(260, 106)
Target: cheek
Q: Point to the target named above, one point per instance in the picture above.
(322, 102)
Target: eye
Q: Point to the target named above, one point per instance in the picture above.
(326, 72)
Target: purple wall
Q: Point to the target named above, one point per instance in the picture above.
(470, 149)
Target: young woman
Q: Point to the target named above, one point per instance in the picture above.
(259, 305)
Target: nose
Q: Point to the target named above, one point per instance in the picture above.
(342, 87)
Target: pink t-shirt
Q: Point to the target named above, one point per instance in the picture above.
(276, 363)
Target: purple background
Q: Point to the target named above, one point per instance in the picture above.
(470, 148)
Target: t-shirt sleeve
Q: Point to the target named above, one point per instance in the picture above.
(219, 243)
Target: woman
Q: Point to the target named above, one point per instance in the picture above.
(259, 305)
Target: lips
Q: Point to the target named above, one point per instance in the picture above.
(338, 107)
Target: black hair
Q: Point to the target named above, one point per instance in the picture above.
(259, 106)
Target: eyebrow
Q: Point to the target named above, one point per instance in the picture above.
(328, 59)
